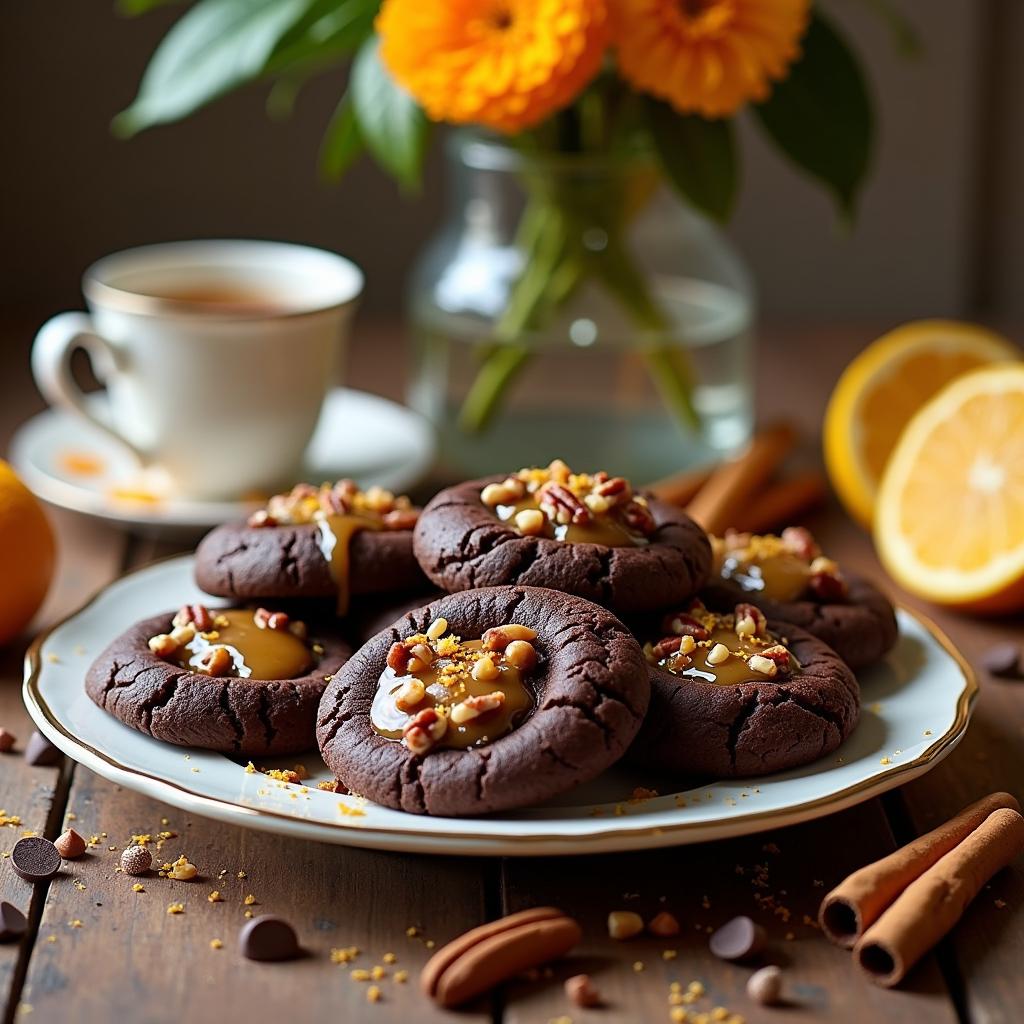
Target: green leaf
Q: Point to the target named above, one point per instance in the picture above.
(699, 156)
(390, 121)
(821, 116)
(327, 32)
(342, 141)
(214, 47)
(134, 7)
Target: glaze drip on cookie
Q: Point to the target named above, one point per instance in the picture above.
(236, 643)
(579, 508)
(724, 650)
(439, 690)
(339, 511)
(786, 568)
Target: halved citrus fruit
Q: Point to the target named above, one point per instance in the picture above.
(881, 390)
(949, 524)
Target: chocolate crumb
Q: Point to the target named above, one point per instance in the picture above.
(12, 922)
(268, 938)
(35, 859)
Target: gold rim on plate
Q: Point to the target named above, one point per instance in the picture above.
(37, 705)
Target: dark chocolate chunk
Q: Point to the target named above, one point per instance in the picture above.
(40, 751)
(268, 938)
(1002, 660)
(36, 859)
(12, 922)
(738, 939)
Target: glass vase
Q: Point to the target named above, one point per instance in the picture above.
(571, 306)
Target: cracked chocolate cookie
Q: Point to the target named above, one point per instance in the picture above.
(314, 542)
(483, 701)
(735, 695)
(583, 534)
(235, 680)
(788, 578)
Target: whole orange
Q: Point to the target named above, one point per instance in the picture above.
(27, 554)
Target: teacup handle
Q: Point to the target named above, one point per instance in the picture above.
(55, 344)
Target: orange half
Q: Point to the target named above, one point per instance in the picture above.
(949, 523)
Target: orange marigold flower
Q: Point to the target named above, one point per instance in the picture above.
(707, 56)
(505, 64)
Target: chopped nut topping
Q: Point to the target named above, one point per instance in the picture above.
(305, 503)
(425, 729)
(564, 498)
(474, 707)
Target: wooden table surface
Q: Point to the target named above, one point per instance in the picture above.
(97, 950)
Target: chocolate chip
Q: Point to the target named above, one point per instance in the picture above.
(7, 741)
(1002, 660)
(40, 751)
(70, 844)
(35, 859)
(268, 938)
(737, 939)
(12, 922)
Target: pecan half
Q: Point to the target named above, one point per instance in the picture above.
(681, 624)
(562, 505)
(638, 517)
(750, 620)
(800, 542)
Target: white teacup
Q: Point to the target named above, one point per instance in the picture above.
(216, 356)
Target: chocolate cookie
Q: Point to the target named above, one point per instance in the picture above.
(583, 534)
(736, 696)
(219, 679)
(483, 701)
(788, 578)
(333, 541)
(374, 614)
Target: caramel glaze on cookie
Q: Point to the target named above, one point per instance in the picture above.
(241, 681)
(789, 578)
(484, 700)
(314, 542)
(584, 534)
(737, 695)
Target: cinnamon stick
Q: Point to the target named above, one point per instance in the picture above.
(734, 483)
(930, 906)
(858, 901)
(782, 503)
(680, 488)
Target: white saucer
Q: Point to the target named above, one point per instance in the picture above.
(359, 435)
(916, 705)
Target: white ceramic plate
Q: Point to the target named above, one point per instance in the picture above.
(71, 464)
(916, 708)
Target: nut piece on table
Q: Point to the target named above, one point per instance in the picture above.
(624, 924)
(136, 860)
(497, 951)
(664, 925)
(582, 991)
(765, 986)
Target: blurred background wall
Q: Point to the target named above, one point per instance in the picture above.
(941, 230)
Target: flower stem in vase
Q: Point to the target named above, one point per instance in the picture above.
(556, 261)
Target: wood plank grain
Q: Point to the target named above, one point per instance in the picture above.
(777, 878)
(162, 965)
(88, 555)
(131, 960)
